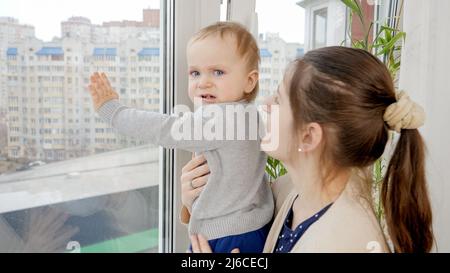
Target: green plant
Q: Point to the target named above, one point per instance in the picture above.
(386, 44)
(274, 168)
(387, 41)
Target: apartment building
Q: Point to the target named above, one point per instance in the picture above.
(275, 56)
(49, 112)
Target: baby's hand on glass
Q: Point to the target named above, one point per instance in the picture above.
(101, 90)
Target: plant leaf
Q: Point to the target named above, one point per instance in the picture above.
(388, 46)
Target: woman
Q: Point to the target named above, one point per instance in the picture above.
(337, 106)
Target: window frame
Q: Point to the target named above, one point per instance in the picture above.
(184, 19)
(315, 13)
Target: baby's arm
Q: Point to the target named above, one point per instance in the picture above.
(141, 124)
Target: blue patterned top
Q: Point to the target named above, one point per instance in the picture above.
(288, 238)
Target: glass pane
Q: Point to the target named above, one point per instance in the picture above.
(68, 181)
(280, 41)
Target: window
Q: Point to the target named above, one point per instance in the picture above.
(320, 28)
(97, 190)
(113, 189)
(280, 41)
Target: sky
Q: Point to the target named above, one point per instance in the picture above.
(282, 16)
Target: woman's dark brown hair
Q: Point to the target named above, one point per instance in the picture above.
(347, 91)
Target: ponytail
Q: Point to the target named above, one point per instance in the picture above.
(405, 196)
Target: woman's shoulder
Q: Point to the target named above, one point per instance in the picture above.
(350, 225)
(350, 232)
(357, 229)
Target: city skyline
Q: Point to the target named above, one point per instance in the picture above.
(29, 12)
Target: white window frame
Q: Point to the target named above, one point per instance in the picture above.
(313, 26)
(309, 22)
(189, 17)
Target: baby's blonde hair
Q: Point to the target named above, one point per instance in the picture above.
(246, 45)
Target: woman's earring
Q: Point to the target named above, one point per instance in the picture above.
(300, 150)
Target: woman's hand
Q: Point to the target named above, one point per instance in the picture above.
(200, 245)
(101, 90)
(194, 176)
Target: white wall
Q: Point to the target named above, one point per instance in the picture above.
(425, 76)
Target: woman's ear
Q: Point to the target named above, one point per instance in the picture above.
(252, 80)
(311, 137)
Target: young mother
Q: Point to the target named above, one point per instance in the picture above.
(337, 107)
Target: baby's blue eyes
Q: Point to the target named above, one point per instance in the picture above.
(195, 73)
(216, 73)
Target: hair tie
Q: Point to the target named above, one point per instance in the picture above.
(404, 114)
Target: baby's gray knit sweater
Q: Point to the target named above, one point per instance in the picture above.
(237, 198)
